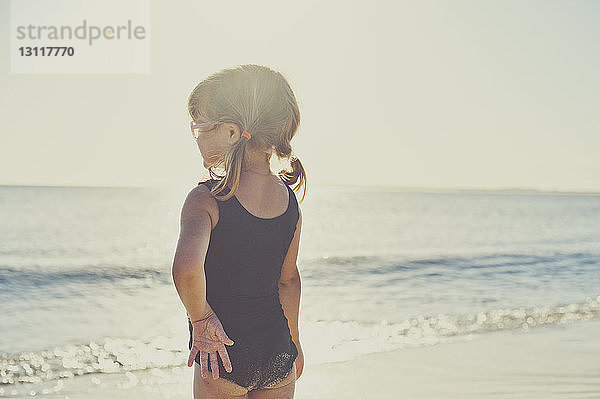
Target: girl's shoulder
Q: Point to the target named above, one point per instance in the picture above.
(204, 201)
(289, 186)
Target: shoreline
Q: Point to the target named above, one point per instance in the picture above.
(536, 363)
(561, 361)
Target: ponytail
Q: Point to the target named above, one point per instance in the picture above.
(295, 176)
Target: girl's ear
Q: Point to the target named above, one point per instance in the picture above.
(233, 129)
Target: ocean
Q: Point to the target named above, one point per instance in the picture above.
(86, 286)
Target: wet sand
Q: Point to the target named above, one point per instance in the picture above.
(557, 362)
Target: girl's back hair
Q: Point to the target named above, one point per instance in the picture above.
(259, 100)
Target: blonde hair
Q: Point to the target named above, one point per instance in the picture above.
(260, 101)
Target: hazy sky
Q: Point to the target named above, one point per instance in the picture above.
(467, 94)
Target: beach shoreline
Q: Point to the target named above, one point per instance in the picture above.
(557, 361)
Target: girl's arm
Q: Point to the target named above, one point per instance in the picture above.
(192, 246)
(290, 286)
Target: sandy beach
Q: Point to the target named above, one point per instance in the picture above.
(558, 362)
(539, 363)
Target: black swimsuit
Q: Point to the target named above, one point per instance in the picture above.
(242, 267)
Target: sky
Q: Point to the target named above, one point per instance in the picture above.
(435, 94)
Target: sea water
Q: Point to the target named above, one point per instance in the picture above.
(86, 285)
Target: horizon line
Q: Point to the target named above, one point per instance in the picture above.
(369, 186)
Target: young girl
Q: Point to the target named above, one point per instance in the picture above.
(235, 263)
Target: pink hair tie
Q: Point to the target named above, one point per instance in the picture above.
(246, 134)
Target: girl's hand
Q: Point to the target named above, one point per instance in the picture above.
(299, 360)
(209, 338)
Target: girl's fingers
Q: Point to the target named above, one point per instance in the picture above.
(225, 358)
(193, 353)
(222, 335)
(214, 365)
(204, 364)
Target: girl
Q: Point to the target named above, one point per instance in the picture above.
(235, 263)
